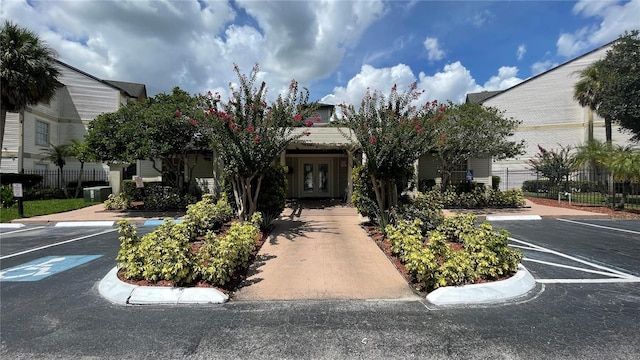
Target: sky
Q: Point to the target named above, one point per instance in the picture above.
(337, 49)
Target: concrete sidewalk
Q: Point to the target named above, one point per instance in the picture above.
(322, 253)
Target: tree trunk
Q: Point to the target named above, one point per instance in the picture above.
(79, 182)
(64, 183)
(3, 120)
(608, 131)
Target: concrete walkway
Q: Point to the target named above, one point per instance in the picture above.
(322, 253)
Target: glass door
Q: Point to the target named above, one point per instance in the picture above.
(315, 178)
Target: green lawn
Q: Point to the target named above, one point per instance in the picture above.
(43, 207)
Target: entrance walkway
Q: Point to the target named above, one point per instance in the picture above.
(319, 251)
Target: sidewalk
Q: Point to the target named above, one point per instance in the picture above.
(322, 253)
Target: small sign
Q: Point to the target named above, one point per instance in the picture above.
(139, 183)
(17, 190)
(469, 174)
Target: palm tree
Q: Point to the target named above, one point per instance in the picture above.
(58, 155)
(79, 150)
(28, 71)
(595, 155)
(625, 165)
(588, 92)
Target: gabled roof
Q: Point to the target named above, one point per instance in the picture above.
(132, 90)
(497, 93)
(135, 90)
(479, 97)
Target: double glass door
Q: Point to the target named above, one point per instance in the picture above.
(315, 177)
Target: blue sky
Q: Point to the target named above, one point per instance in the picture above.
(335, 48)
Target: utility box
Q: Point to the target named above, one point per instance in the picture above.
(97, 193)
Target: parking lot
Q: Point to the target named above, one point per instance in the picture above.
(586, 305)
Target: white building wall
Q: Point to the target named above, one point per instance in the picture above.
(550, 116)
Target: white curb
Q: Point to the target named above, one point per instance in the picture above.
(493, 292)
(120, 292)
(85, 223)
(10, 226)
(512, 217)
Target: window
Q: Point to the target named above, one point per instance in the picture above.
(458, 174)
(42, 133)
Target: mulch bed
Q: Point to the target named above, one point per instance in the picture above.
(630, 214)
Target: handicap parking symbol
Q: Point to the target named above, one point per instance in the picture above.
(41, 268)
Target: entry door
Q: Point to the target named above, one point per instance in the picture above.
(315, 178)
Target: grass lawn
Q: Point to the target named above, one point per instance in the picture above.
(43, 207)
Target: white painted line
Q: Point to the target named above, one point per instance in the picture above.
(601, 226)
(576, 268)
(21, 230)
(10, 226)
(528, 248)
(573, 258)
(586, 281)
(56, 244)
(512, 217)
(85, 223)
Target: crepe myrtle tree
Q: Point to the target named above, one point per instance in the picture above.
(249, 133)
(392, 134)
(465, 131)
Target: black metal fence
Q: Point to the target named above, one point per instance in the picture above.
(580, 187)
(54, 178)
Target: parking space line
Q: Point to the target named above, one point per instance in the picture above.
(574, 258)
(600, 226)
(21, 230)
(587, 281)
(575, 268)
(528, 248)
(56, 244)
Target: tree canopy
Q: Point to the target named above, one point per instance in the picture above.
(28, 71)
(611, 86)
(163, 127)
(471, 130)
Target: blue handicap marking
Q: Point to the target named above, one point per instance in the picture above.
(159, 222)
(41, 268)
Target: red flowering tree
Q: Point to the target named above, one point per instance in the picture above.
(466, 131)
(392, 134)
(249, 134)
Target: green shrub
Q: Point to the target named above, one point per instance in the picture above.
(221, 256)
(495, 182)
(508, 198)
(489, 252)
(428, 210)
(166, 198)
(425, 185)
(273, 195)
(129, 258)
(164, 254)
(207, 215)
(363, 196)
(455, 227)
(6, 196)
(117, 202)
(433, 263)
(28, 181)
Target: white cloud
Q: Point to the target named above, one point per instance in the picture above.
(434, 52)
(453, 82)
(542, 66)
(615, 18)
(481, 18)
(194, 43)
(522, 49)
